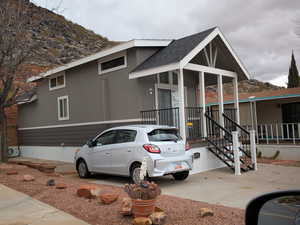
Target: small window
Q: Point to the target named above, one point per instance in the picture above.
(57, 82)
(112, 65)
(63, 108)
(164, 78)
(107, 138)
(126, 136)
(164, 135)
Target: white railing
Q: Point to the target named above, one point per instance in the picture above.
(277, 133)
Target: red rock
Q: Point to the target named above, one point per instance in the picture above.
(5, 167)
(158, 218)
(28, 177)
(53, 175)
(61, 186)
(88, 191)
(126, 208)
(12, 172)
(108, 197)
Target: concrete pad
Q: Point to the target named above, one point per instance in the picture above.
(19, 209)
(221, 186)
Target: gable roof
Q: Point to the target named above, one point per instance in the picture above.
(175, 51)
(179, 52)
(103, 53)
(256, 96)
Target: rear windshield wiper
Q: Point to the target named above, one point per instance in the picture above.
(175, 140)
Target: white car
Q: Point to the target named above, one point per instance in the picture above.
(121, 150)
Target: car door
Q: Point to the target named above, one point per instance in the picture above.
(123, 151)
(100, 156)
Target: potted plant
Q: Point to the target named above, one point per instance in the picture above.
(143, 196)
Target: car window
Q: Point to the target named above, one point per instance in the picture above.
(124, 136)
(164, 135)
(107, 138)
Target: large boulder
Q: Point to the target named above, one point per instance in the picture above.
(88, 191)
(61, 186)
(158, 218)
(28, 178)
(204, 212)
(126, 207)
(108, 197)
(142, 221)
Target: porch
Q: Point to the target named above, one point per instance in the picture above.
(181, 72)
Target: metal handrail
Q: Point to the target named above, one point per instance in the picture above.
(236, 124)
(218, 125)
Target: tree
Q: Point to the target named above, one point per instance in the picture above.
(16, 19)
(293, 78)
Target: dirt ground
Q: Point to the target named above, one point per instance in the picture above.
(279, 162)
(179, 211)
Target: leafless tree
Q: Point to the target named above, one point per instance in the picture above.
(16, 19)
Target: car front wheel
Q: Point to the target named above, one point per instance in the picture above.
(181, 175)
(82, 169)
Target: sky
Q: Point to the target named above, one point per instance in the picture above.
(263, 33)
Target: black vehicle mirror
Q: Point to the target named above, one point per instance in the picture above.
(276, 208)
(91, 143)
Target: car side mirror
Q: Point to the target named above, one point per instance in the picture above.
(281, 207)
(91, 143)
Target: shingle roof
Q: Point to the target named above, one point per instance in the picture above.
(257, 96)
(26, 96)
(175, 51)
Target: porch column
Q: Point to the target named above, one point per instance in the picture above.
(236, 99)
(202, 101)
(220, 100)
(181, 104)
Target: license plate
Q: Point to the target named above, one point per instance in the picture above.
(177, 167)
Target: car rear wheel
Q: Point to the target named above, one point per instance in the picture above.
(135, 173)
(181, 175)
(82, 169)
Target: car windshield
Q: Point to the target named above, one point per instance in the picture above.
(164, 135)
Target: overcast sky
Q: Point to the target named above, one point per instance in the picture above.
(262, 32)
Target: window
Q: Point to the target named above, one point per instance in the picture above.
(112, 65)
(57, 82)
(126, 136)
(63, 108)
(164, 135)
(107, 138)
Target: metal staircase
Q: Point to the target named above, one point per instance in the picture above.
(221, 143)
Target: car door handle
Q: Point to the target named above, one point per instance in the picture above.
(107, 153)
(128, 150)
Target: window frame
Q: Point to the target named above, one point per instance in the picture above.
(109, 131)
(121, 130)
(57, 86)
(100, 71)
(59, 109)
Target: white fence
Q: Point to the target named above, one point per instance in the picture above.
(277, 133)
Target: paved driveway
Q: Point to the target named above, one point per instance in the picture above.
(221, 186)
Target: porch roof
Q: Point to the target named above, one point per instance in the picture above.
(257, 96)
(180, 52)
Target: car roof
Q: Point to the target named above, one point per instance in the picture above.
(142, 127)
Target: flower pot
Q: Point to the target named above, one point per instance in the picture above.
(143, 208)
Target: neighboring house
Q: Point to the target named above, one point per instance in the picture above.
(275, 115)
(139, 81)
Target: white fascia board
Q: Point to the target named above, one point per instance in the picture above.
(103, 53)
(205, 42)
(152, 71)
(207, 69)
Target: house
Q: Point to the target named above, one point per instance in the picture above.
(139, 81)
(275, 115)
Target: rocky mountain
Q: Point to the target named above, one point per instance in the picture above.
(58, 40)
(246, 86)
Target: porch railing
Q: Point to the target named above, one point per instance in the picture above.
(170, 117)
(277, 133)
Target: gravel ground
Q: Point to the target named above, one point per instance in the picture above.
(279, 162)
(179, 211)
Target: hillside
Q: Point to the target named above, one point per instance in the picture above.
(60, 41)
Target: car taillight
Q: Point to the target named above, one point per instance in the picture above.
(187, 146)
(151, 148)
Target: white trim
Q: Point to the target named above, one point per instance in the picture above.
(100, 71)
(115, 49)
(182, 121)
(152, 71)
(55, 77)
(205, 42)
(220, 99)
(67, 117)
(82, 124)
(207, 69)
